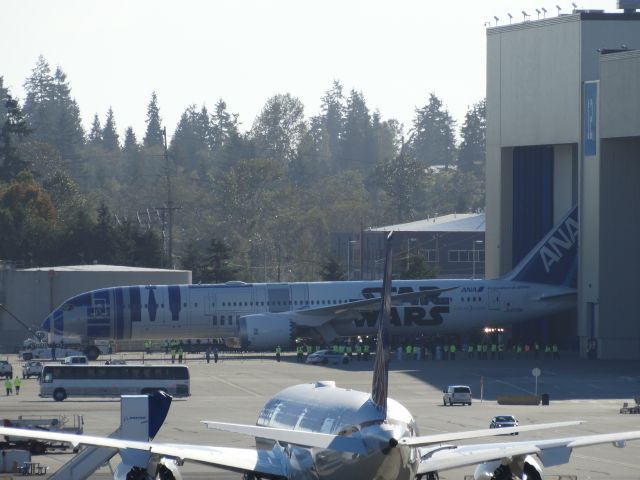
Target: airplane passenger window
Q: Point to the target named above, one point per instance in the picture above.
(196, 304)
(184, 304)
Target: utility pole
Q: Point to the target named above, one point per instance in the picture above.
(169, 208)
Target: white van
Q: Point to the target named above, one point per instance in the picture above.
(75, 360)
(457, 394)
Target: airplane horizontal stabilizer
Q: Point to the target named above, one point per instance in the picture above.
(558, 296)
(297, 437)
(487, 432)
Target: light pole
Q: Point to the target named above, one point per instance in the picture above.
(349, 258)
(476, 242)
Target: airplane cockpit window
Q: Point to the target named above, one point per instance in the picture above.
(327, 425)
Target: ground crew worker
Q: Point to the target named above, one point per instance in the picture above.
(207, 354)
(16, 383)
(147, 346)
(452, 351)
(500, 350)
(173, 355)
(8, 385)
(278, 352)
(494, 349)
(479, 351)
(526, 348)
(536, 349)
(349, 350)
(180, 354)
(554, 348)
(485, 350)
(166, 346)
(309, 349)
(408, 350)
(358, 352)
(416, 351)
(215, 354)
(470, 351)
(547, 351)
(446, 352)
(299, 353)
(518, 351)
(366, 349)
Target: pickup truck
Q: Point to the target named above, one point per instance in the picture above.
(6, 370)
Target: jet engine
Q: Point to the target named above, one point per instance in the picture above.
(164, 468)
(523, 468)
(266, 330)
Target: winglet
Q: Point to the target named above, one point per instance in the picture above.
(380, 386)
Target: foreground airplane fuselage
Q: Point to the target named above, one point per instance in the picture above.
(323, 407)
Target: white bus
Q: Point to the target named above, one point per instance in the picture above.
(62, 381)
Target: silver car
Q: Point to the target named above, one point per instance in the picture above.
(32, 368)
(325, 357)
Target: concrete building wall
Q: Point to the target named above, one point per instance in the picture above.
(31, 294)
(535, 72)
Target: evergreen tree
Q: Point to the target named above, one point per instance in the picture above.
(153, 136)
(331, 270)
(386, 138)
(193, 260)
(333, 118)
(95, 134)
(51, 112)
(471, 157)
(279, 128)
(13, 129)
(130, 145)
(190, 143)
(219, 269)
(433, 141)
(110, 138)
(357, 145)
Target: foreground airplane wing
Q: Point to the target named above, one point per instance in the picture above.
(241, 460)
(552, 451)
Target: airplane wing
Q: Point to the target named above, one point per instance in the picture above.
(486, 432)
(242, 460)
(551, 452)
(316, 316)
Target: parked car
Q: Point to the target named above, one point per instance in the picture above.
(6, 370)
(325, 357)
(457, 394)
(32, 368)
(504, 421)
(75, 360)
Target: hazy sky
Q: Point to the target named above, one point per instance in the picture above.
(116, 52)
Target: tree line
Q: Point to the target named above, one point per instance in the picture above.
(253, 205)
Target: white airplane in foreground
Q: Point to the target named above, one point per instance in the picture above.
(263, 315)
(319, 431)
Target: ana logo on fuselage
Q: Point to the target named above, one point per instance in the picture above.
(561, 242)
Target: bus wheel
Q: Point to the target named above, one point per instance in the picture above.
(59, 394)
(92, 352)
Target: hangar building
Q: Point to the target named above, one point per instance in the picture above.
(563, 127)
(30, 294)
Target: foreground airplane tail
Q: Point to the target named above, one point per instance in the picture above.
(380, 387)
(554, 260)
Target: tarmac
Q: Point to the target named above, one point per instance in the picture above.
(236, 388)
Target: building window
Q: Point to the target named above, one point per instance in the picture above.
(459, 256)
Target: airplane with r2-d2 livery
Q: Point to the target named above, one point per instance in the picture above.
(264, 315)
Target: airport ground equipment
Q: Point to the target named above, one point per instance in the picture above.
(60, 424)
(633, 409)
(6, 370)
(141, 416)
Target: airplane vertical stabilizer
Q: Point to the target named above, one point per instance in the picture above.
(380, 387)
(554, 259)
